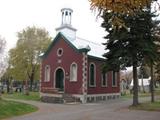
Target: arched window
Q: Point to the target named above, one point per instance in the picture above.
(104, 80)
(66, 13)
(47, 73)
(92, 75)
(73, 72)
(114, 78)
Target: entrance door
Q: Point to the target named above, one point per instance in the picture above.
(60, 79)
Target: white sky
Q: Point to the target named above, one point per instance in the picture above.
(18, 14)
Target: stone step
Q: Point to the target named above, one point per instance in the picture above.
(69, 98)
(51, 99)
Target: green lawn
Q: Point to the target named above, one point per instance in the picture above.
(10, 109)
(157, 91)
(141, 94)
(147, 106)
(32, 96)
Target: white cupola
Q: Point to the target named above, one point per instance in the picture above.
(66, 16)
(66, 27)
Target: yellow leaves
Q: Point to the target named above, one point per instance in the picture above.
(127, 7)
(117, 22)
(119, 6)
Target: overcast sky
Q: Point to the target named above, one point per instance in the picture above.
(18, 14)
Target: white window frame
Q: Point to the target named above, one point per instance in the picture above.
(94, 75)
(115, 76)
(47, 73)
(106, 79)
(71, 72)
(58, 52)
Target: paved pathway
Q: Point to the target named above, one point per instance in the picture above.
(111, 110)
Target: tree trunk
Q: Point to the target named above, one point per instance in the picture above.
(135, 85)
(26, 90)
(31, 84)
(0, 94)
(31, 80)
(143, 90)
(152, 84)
(8, 89)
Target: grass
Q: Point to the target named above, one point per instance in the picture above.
(10, 109)
(147, 106)
(128, 96)
(157, 91)
(141, 94)
(32, 96)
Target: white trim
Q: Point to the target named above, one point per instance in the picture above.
(47, 73)
(74, 63)
(84, 77)
(54, 81)
(94, 74)
(107, 96)
(58, 52)
(116, 79)
(106, 79)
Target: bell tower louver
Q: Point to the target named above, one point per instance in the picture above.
(66, 26)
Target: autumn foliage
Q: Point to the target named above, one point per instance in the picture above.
(120, 6)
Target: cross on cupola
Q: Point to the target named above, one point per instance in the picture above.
(66, 27)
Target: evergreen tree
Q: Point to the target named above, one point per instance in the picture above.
(157, 65)
(129, 47)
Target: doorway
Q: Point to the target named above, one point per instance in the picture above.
(59, 79)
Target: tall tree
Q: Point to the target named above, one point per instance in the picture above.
(157, 65)
(120, 7)
(144, 71)
(2, 44)
(2, 57)
(156, 34)
(129, 47)
(24, 58)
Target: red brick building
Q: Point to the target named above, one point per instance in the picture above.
(73, 66)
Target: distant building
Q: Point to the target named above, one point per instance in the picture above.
(72, 66)
(143, 83)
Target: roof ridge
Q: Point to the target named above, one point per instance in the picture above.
(89, 41)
